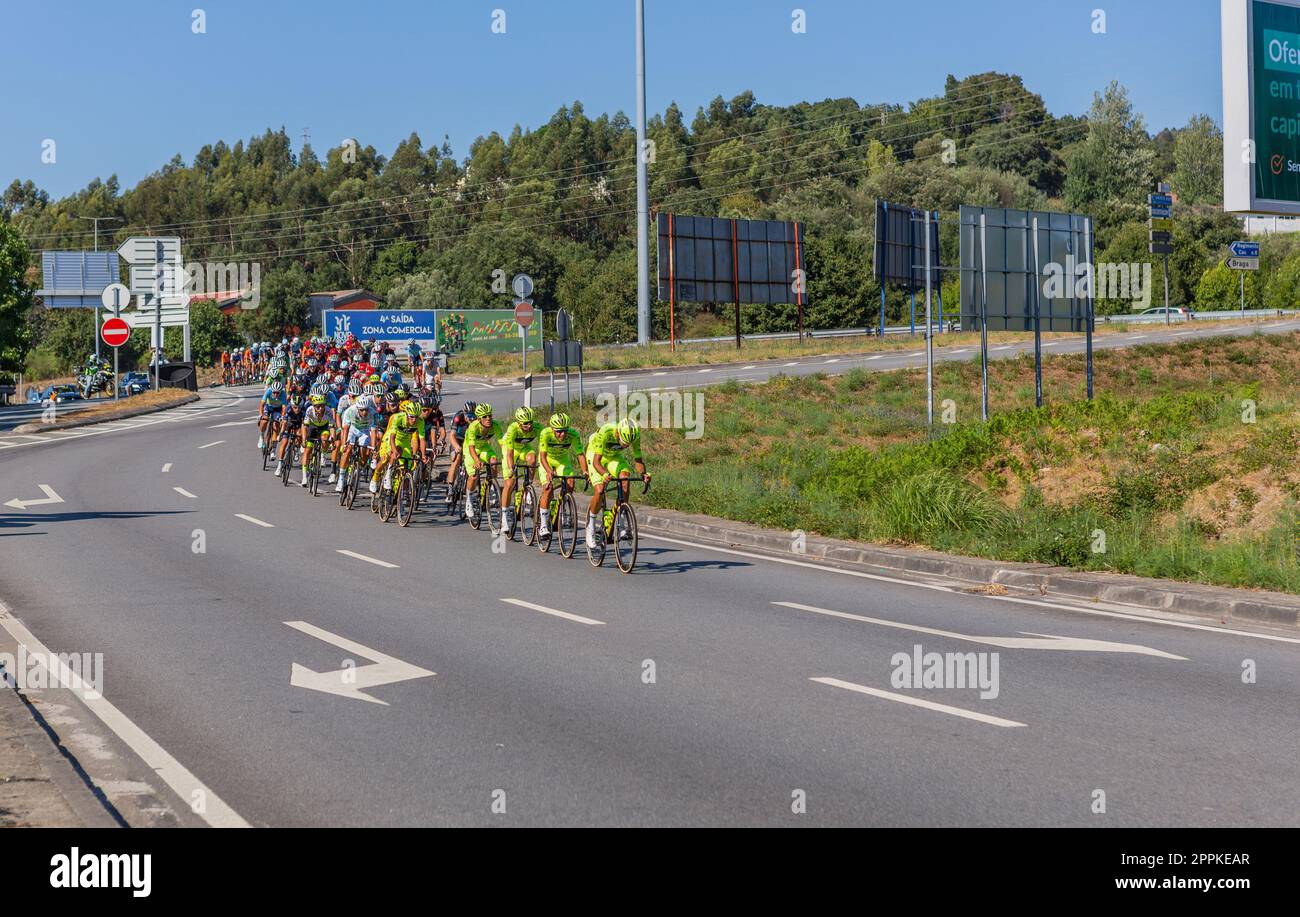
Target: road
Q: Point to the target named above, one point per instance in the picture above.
(710, 687)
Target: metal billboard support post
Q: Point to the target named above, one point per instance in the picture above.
(939, 294)
(929, 331)
(642, 195)
(883, 243)
(1038, 325)
(1090, 318)
(185, 338)
(552, 372)
(1243, 293)
(1167, 319)
(568, 392)
(984, 315)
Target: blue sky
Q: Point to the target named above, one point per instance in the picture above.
(122, 86)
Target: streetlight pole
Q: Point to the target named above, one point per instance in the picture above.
(642, 194)
(96, 221)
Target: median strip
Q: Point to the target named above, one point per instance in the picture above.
(552, 611)
(919, 702)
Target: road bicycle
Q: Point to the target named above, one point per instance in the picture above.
(290, 453)
(489, 499)
(356, 471)
(523, 500)
(312, 470)
(619, 526)
(563, 518)
(269, 439)
(401, 499)
(457, 487)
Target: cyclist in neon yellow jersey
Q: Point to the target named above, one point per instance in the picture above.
(518, 445)
(405, 430)
(482, 447)
(612, 452)
(558, 456)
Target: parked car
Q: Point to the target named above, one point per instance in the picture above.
(134, 383)
(61, 393)
(1176, 313)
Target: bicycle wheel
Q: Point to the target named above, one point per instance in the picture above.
(406, 499)
(528, 516)
(350, 492)
(596, 555)
(287, 465)
(625, 538)
(492, 506)
(266, 449)
(476, 519)
(314, 474)
(567, 523)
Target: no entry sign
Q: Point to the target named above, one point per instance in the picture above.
(115, 332)
(524, 313)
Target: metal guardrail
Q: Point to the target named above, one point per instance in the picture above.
(1215, 316)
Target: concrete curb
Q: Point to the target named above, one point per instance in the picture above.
(1225, 605)
(72, 422)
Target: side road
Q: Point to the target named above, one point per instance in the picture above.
(1223, 605)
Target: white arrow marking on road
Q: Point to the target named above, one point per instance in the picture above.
(50, 497)
(1031, 642)
(348, 682)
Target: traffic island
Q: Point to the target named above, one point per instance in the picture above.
(135, 406)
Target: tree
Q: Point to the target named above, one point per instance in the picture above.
(210, 332)
(1110, 171)
(1220, 290)
(16, 300)
(426, 290)
(1198, 157)
(282, 310)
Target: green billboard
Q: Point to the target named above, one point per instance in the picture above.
(483, 331)
(1261, 98)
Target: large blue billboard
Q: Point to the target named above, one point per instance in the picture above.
(396, 325)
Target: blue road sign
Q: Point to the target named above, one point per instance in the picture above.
(1245, 249)
(1160, 200)
(1162, 213)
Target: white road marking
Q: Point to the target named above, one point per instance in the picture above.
(749, 367)
(369, 560)
(552, 611)
(166, 468)
(210, 445)
(938, 587)
(232, 423)
(1050, 343)
(706, 371)
(184, 493)
(265, 525)
(828, 362)
(963, 350)
(876, 357)
(610, 379)
(918, 702)
(792, 364)
(1033, 642)
(348, 681)
(49, 499)
(187, 786)
(659, 374)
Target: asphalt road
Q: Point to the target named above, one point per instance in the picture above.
(683, 694)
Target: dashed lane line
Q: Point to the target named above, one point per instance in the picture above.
(918, 702)
(255, 521)
(184, 493)
(552, 611)
(369, 560)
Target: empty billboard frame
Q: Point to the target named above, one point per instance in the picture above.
(711, 259)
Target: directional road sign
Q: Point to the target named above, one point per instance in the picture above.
(1242, 264)
(1245, 249)
(522, 284)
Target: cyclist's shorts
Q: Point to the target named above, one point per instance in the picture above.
(564, 467)
(490, 452)
(314, 433)
(613, 465)
(358, 436)
(399, 448)
(520, 456)
(274, 413)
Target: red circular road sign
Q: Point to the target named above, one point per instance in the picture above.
(115, 332)
(524, 314)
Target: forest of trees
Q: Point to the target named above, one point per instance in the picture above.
(426, 229)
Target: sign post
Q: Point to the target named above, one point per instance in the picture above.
(1245, 257)
(524, 316)
(1161, 206)
(115, 295)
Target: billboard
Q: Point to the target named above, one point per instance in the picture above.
(75, 279)
(1064, 269)
(483, 331)
(703, 259)
(1261, 106)
(900, 246)
(381, 324)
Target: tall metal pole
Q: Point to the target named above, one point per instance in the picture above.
(159, 285)
(642, 194)
(1168, 320)
(929, 330)
(1038, 325)
(984, 314)
(1091, 301)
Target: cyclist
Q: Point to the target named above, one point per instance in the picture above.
(225, 367)
(559, 456)
(273, 402)
(434, 425)
(432, 371)
(360, 425)
(413, 355)
(606, 459)
(405, 430)
(315, 429)
(517, 446)
(293, 414)
(482, 448)
(456, 436)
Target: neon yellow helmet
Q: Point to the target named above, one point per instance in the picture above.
(628, 431)
(483, 409)
(560, 421)
(317, 399)
(525, 415)
(409, 408)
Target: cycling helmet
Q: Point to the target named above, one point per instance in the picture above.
(320, 388)
(411, 410)
(390, 402)
(483, 410)
(525, 415)
(374, 378)
(354, 389)
(318, 399)
(365, 404)
(401, 391)
(343, 365)
(469, 408)
(559, 421)
(628, 431)
(277, 387)
(428, 401)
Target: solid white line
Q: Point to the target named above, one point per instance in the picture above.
(552, 611)
(610, 379)
(184, 493)
(958, 590)
(265, 525)
(210, 445)
(187, 786)
(828, 362)
(706, 371)
(918, 702)
(166, 468)
(659, 374)
(369, 560)
(749, 367)
(876, 357)
(792, 364)
(963, 350)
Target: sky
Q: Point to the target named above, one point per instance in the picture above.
(123, 86)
